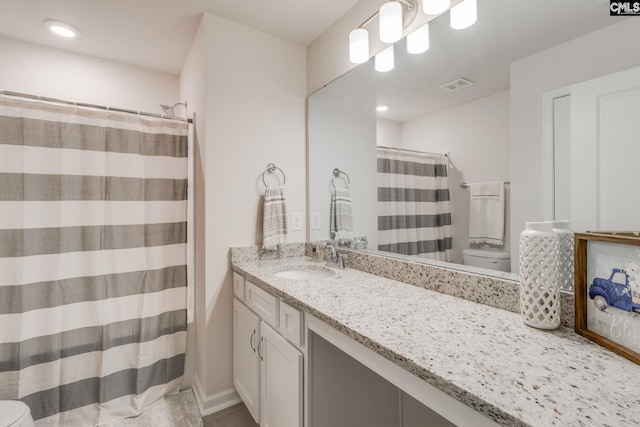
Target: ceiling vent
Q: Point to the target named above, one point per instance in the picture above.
(457, 84)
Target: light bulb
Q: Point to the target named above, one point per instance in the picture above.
(464, 14)
(390, 22)
(359, 46)
(435, 7)
(384, 60)
(418, 41)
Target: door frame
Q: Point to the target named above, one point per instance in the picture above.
(548, 149)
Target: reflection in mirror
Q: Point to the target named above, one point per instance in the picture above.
(414, 212)
(342, 133)
(341, 216)
(453, 100)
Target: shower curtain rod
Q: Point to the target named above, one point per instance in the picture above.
(414, 151)
(101, 107)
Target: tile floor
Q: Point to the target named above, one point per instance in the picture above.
(181, 410)
(234, 416)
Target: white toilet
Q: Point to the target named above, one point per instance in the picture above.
(493, 260)
(14, 413)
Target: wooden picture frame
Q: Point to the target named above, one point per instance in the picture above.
(607, 291)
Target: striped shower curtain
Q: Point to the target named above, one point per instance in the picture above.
(93, 211)
(414, 213)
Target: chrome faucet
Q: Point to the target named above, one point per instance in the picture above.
(335, 258)
(333, 255)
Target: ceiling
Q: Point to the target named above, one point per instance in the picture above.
(157, 34)
(506, 30)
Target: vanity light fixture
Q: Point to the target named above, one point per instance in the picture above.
(394, 19)
(464, 14)
(359, 46)
(418, 41)
(61, 28)
(390, 22)
(384, 60)
(382, 108)
(435, 7)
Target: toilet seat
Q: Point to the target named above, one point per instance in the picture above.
(14, 413)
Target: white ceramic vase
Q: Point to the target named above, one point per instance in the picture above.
(565, 253)
(539, 276)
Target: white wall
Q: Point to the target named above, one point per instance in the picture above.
(599, 53)
(476, 136)
(342, 134)
(43, 71)
(192, 88)
(251, 112)
(388, 133)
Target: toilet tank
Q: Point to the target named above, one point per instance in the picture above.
(483, 258)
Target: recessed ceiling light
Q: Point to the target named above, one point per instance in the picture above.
(382, 107)
(61, 28)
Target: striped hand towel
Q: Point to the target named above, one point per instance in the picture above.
(341, 221)
(486, 213)
(274, 220)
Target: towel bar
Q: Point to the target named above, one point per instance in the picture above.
(272, 168)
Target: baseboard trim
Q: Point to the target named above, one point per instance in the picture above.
(215, 402)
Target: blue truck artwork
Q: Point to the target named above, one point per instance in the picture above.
(615, 291)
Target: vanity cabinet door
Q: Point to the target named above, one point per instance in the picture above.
(281, 379)
(246, 362)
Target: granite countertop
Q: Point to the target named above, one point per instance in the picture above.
(485, 357)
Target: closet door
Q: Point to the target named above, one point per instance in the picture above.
(281, 378)
(605, 152)
(246, 362)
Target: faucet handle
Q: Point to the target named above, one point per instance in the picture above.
(341, 258)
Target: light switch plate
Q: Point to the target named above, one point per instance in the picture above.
(296, 221)
(315, 220)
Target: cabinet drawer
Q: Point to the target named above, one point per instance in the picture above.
(291, 326)
(238, 286)
(262, 303)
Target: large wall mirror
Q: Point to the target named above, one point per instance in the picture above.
(469, 129)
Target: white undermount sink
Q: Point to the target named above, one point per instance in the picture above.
(305, 272)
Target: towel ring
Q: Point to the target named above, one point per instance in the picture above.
(336, 174)
(272, 168)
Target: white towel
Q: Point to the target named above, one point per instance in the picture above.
(274, 219)
(341, 221)
(486, 213)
